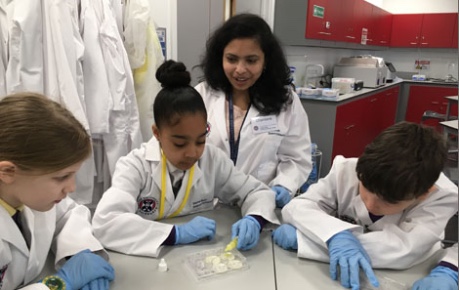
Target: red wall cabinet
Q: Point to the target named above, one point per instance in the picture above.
(423, 98)
(423, 30)
(454, 42)
(322, 19)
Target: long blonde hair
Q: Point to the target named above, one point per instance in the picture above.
(38, 134)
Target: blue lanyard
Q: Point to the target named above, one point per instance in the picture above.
(234, 145)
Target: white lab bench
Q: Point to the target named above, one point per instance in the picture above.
(293, 273)
(134, 272)
(270, 267)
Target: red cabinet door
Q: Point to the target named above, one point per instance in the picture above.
(423, 98)
(321, 20)
(348, 21)
(437, 29)
(454, 42)
(406, 30)
(349, 128)
(383, 28)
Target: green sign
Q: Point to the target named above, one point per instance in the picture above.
(318, 11)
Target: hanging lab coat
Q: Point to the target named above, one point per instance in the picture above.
(65, 228)
(126, 217)
(280, 156)
(98, 99)
(124, 132)
(3, 47)
(145, 56)
(396, 241)
(24, 70)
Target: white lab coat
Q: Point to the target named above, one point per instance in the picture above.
(145, 56)
(282, 157)
(3, 46)
(24, 68)
(396, 241)
(451, 255)
(65, 228)
(124, 226)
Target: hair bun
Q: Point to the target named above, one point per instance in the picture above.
(173, 74)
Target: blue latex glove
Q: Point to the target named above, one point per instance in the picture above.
(196, 229)
(97, 284)
(247, 230)
(285, 237)
(346, 252)
(440, 278)
(282, 195)
(83, 268)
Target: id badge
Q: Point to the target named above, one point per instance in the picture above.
(264, 124)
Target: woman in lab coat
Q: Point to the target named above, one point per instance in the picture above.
(41, 147)
(255, 116)
(176, 173)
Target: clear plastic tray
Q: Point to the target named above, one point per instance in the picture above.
(385, 283)
(209, 263)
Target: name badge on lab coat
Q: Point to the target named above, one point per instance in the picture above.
(264, 124)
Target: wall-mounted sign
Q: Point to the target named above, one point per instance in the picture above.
(318, 11)
(161, 31)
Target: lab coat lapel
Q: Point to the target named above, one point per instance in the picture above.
(153, 154)
(219, 117)
(181, 194)
(12, 234)
(361, 211)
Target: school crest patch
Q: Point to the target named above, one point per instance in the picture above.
(147, 205)
(2, 274)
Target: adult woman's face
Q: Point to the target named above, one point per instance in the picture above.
(243, 62)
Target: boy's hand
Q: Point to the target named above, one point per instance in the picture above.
(346, 252)
(285, 237)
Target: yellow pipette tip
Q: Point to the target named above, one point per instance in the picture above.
(231, 245)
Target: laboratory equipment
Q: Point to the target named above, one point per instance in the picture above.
(214, 262)
(162, 265)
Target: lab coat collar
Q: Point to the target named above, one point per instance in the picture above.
(153, 150)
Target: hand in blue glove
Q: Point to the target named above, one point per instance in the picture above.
(85, 267)
(247, 230)
(347, 252)
(98, 284)
(440, 278)
(282, 195)
(285, 237)
(196, 229)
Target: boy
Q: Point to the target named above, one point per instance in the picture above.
(386, 209)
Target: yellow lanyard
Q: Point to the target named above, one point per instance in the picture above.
(163, 189)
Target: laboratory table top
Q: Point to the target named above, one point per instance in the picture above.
(270, 267)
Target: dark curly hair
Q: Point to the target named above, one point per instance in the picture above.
(270, 93)
(177, 97)
(403, 162)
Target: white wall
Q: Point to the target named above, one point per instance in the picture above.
(418, 6)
